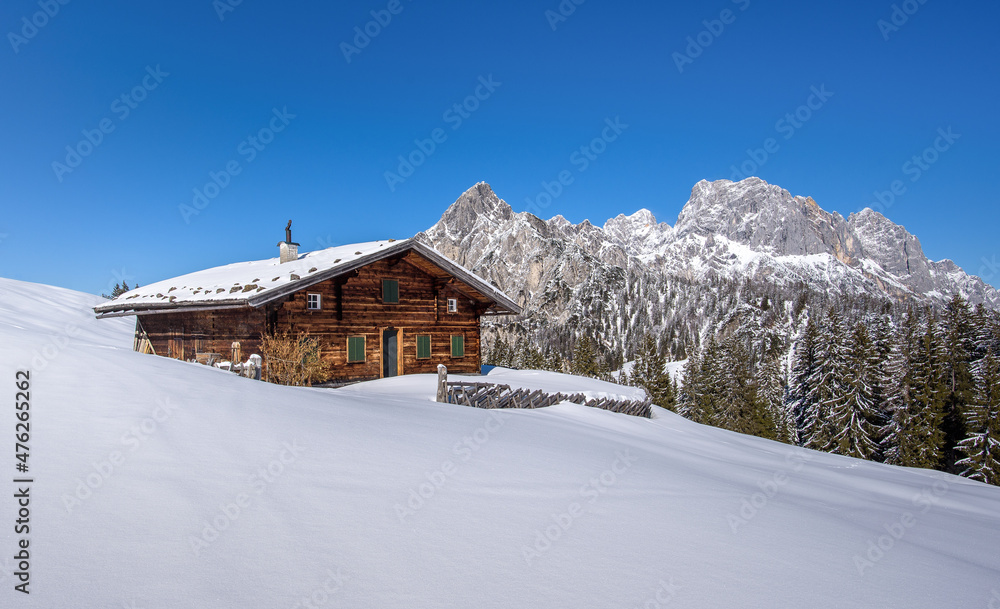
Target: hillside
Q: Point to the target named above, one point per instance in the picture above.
(166, 484)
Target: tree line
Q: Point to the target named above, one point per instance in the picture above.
(916, 387)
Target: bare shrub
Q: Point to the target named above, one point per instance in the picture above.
(293, 359)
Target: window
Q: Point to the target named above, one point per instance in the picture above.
(355, 349)
(423, 347)
(390, 291)
(314, 302)
(452, 305)
(458, 346)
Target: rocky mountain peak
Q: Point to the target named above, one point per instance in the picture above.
(891, 245)
(476, 205)
(766, 218)
(639, 233)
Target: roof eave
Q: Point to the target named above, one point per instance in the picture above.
(120, 309)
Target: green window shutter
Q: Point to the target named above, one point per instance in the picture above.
(458, 346)
(356, 349)
(423, 347)
(390, 291)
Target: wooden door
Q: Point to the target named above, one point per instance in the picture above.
(390, 352)
(175, 345)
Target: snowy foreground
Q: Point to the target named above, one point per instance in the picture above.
(165, 484)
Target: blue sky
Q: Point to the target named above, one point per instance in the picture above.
(534, 81)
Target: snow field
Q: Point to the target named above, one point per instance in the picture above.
(206, 489)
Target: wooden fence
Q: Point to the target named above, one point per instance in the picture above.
(490, 395)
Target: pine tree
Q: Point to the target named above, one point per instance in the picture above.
(958, 346)
(740, 406)
(584, 361)
(553, 360)
(119, 290)
(802, 390)
(773, 391)
(982, 337)
(917, 422)
(852, 409)
(649, 372)
(886, 363)
(982, 447)
(697, 400)
(501, 354)
(898, 443)
(533, 358)
(826, 382)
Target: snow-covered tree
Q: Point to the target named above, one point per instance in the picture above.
(700, 384)
(774, 392)
(916, 429)
(852, 409)
(739, 404)
(982, 447)
(803, 398)
(649, 372)
(958, 345)
(826, 382)
(585, 358)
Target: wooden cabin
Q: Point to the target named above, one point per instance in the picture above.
(376, 309)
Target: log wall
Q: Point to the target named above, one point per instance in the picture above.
(422, 310)
(350, 306)
(182, 335)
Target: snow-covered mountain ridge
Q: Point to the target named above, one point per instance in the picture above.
(739, 230)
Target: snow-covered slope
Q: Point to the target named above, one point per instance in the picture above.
(165, 484)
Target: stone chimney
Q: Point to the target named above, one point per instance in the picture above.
(289, 251)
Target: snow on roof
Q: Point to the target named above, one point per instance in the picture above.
(254, 283)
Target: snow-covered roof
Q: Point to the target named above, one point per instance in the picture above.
(255, 283)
